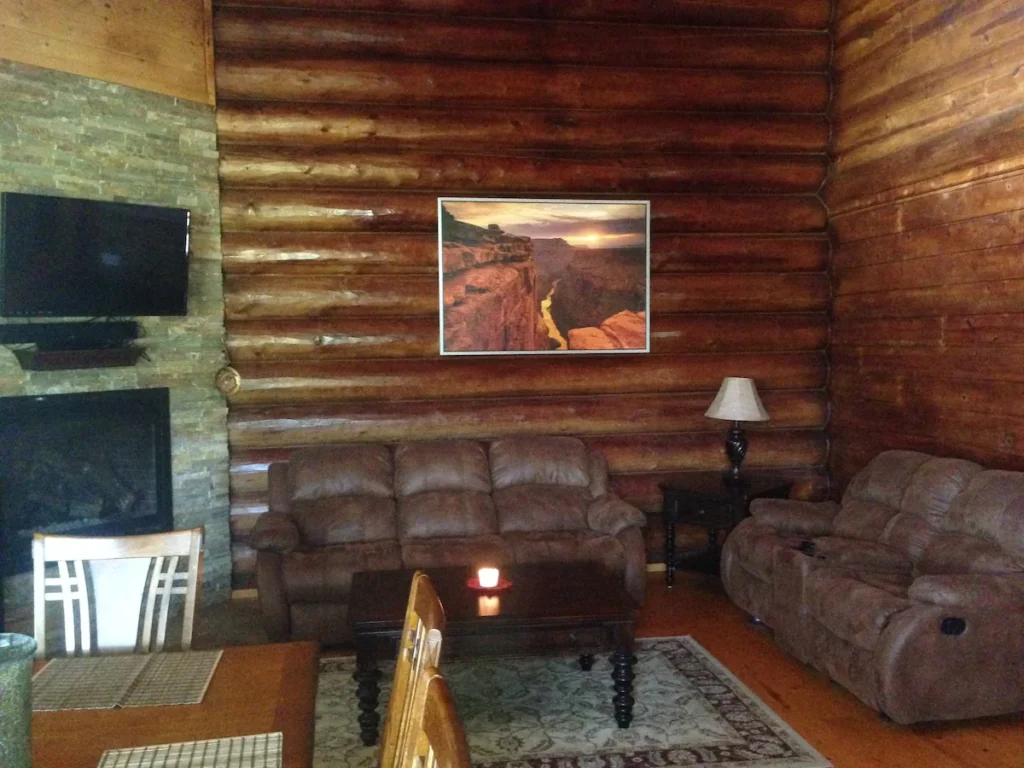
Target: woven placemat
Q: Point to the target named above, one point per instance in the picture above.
(260, 751)
(86, 682)
(135, 680)
(173, 678)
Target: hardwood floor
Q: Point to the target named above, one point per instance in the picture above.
(848, 733)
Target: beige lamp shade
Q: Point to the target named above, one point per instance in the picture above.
(737, 400)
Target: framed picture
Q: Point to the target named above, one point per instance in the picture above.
(556, 277)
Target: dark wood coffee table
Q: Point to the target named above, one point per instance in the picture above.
(550, 607)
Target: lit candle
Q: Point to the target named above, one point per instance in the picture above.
(488, 606)
(488, 577)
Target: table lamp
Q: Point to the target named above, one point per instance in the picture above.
(737, 401)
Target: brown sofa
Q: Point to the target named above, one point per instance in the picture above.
(341, 509)
(910, 593)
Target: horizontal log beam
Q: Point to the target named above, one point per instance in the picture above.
(331, 253)
(460, 84)
(974, 363)
(518, 376)
(271, 296)
(994, 297)
(352, 126)
(304, 33)
(292, 210)
(784, 14)
(390, 422)
(319, 168)
(998, 330)
(354, 338)
(938, 208)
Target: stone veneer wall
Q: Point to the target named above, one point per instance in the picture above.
(69, 135)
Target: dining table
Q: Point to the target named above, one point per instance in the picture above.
(255, 689)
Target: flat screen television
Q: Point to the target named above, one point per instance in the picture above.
(71, 257)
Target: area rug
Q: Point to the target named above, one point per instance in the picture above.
(545, 712)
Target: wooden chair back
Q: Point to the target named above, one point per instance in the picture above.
(419, 647)
(128, 579)
(438, 738)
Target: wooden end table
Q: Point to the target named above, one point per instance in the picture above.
(706, 500)
(550, 607)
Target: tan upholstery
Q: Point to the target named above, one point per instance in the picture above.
(912, 596)
(342, 509)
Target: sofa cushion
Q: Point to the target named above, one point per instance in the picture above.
(446, 513)
(325, 574)
(344, 519)
(861, 555)
(849, 608)
(316, 473)
(441, 465)
(865, 520)
(790, 516)
(957, 553)
(886, 477)
(935, 485)
(908, 533)
(473, 551)
(530, 508)
(992, 507)
(755, 547)
(539, 461)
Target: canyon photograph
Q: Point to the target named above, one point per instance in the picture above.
(543, 276)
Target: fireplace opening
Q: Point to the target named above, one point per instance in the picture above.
(93, 464)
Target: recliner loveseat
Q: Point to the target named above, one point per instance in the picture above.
(910, 593)
(340, 509)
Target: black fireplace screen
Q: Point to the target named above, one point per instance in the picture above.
(93, 464)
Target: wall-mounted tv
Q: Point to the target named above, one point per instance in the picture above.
(71, 257)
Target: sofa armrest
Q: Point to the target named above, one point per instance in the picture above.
(981, 591)
(610, 514)
(274, 532)
(801, 517)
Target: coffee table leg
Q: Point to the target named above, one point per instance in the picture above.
(670, 543)
(368, 691)
(622, 674)
(586, 661)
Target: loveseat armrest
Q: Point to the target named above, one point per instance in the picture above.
(274, 532)
(611, 515)
(982, 591)
(805, 518)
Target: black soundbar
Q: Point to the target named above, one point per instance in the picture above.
(61, 336)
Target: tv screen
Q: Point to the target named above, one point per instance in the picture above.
(68, 257)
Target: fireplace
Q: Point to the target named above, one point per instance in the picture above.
(92, 464)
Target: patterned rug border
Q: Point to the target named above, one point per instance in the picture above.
(769, 741)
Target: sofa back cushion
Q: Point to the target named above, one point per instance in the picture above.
(441, 465)
(861, 519)
(340, 470)
(992, 508)
(434, 514)
(934, 487)
(341, 494)
(885, 479)
(344, 519)
(534, 508)
(956, 553)
(443, 489)
(558, 461)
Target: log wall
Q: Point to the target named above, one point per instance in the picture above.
(926, 205)
(339, 129)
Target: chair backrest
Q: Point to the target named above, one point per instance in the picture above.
(438, 737)
(419, 648)
(126, 577)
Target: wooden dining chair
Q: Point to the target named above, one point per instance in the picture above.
(419, 648)
(113, 589)
(437, 736)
